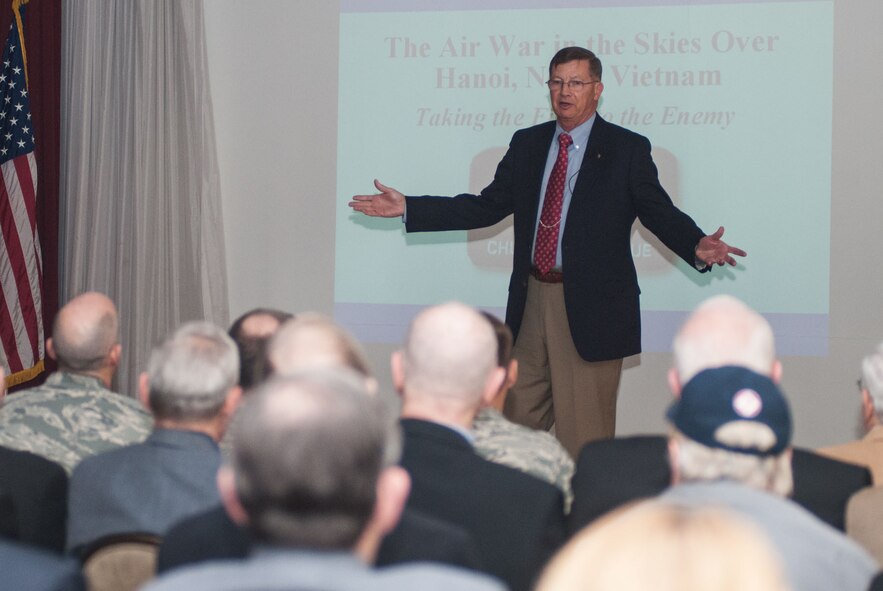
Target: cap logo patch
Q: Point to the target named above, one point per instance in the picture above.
(747, 403)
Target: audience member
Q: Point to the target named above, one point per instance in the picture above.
(310, 478)
(722, 330)
(312, 341)
(190, 388)
(251, 332)
(74, 414)
(501, 441)
(666, 548)
(730, 446)
(445, 372)
(869, 450)
(34, 496)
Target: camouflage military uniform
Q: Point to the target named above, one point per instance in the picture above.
(69, 417)
(534, 452)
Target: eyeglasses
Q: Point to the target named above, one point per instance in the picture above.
(572, 85)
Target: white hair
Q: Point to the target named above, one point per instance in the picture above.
(723, 331)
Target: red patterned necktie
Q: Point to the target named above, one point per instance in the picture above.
(550, 220)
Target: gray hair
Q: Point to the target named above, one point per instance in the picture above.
(697, 462)
(308, 449)
(192, 372)
(724, 331)
(872, 378)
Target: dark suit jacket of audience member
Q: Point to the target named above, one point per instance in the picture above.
(36, 492)
(613, 472)
(212, 535)
(516, 520)
(25, 568)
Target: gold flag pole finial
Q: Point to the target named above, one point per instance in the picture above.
(16, 10)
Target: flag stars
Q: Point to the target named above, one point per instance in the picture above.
(19, 106)
(16, 70)
(21, 143)
(26, 129)
(24, 92)
(8, 136)
(13, 121)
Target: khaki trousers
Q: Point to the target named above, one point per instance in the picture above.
(556, 387)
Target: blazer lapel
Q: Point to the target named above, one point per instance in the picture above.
(592, 160)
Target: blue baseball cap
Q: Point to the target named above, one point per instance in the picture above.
(724, 395)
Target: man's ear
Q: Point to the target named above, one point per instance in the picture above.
(512, 373)
(776, 372)
(392, 489)
(116, 352)
(492, 385)
(869, 413)
(50, 349)
(234, 397)
(674, 382)
(229, 497)
(397, 365)
(144, 390)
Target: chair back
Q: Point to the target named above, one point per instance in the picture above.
(864, 520)
(121, 562)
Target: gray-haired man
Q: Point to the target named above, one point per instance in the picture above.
(191, 389)
(730, 445)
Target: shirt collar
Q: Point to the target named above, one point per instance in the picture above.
(580, 133)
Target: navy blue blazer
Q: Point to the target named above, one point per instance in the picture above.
(515, 520)
(35, 490)
(617, 183)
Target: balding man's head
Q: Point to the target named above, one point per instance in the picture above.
(724, 331)
(450, 355)
(308, 450)
(85, 334)
(313, 341)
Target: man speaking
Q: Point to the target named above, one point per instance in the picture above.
(575, 187)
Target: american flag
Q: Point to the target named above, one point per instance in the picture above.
(21, 267)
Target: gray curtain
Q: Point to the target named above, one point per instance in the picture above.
(140, 190)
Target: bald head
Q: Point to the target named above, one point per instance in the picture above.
(450, 353)
(85, 332)
(313, 341)
(724, 331)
